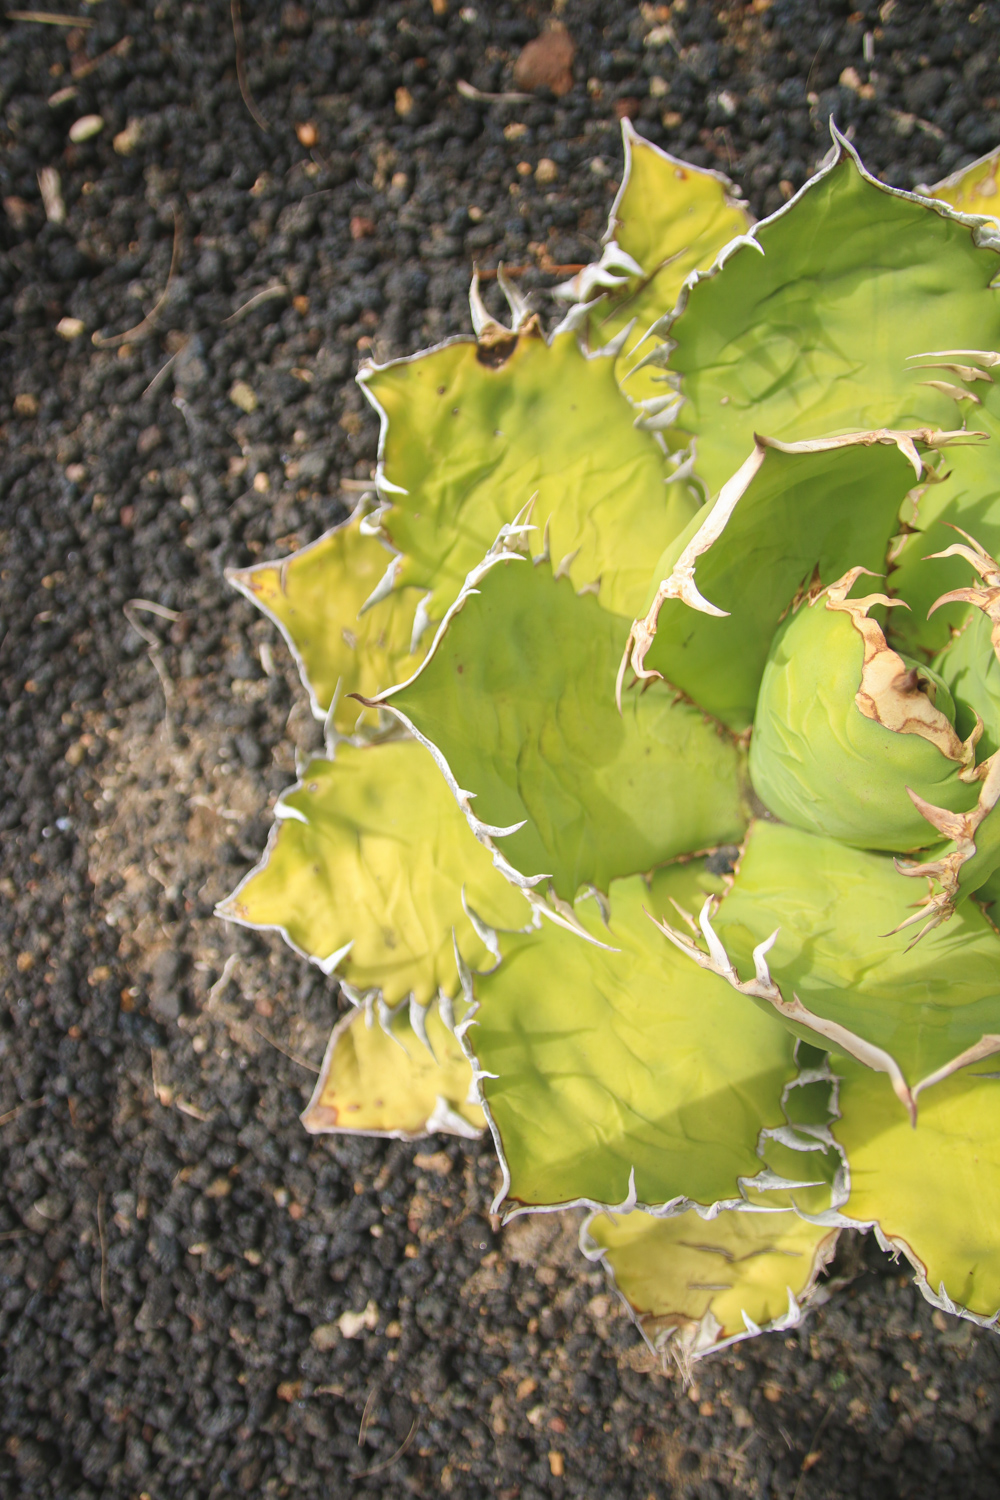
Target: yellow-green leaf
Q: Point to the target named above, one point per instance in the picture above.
(365, 873)
(625, 1066)
(518, 699)
(475, 432)
(972, 189)
(821, 333)
(834, 909)
(934, 1192)
(382, 1084)
(698, 1283)
(315, 598)
(787, 517)
(671, 218)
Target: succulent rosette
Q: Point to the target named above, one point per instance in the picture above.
(656, 829)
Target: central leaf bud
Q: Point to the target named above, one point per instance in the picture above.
(845, 726)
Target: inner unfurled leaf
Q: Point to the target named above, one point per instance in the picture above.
(365, 873)
(786, 523)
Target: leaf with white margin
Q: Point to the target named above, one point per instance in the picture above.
(793, 517)
(814, 919)
(932, 1193)
(622, 1074)
(813, 336)
(316, 597)
(695, 1286)
(515, 698)
(668, 219)
(972, 189)
(473, 431)
(371, 871)
(387, 1079)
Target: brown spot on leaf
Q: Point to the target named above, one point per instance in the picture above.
(494, 352)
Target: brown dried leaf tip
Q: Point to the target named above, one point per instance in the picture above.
(891, 693)
(986, 598)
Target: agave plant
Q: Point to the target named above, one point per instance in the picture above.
(644, 837)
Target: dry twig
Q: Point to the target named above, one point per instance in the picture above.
(218, 988)
(388, 1462)
(241, 67)
(146, 326)
(48, 18)
(469, 91)
(191, 1110)
(102, 1235)
(84, 69)
(158, 378)
(268, 294)
(18, 1109)
(292, 1056)
(366, 1416)
(154, 644)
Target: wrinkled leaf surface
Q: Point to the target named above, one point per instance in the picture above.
(373, 851)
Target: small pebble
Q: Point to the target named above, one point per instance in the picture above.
(130, 139)
(85, 128)
(243, 396)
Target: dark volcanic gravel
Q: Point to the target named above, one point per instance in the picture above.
(175, 1252)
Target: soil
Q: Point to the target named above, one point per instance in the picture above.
(175, 1251)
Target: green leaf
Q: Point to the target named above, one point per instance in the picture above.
(670, 219)
(386, 1080)
(834, 910)
(315, 597)
(787, 519)
(365, 873)
(968, 495)
(817, 761)
(475, 431)
(517, 698)
(971, 670)
(695, 1285)
(933, 1192)
(629, 1074)
(813, 336)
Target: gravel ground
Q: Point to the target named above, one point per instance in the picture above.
(175, 1252)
